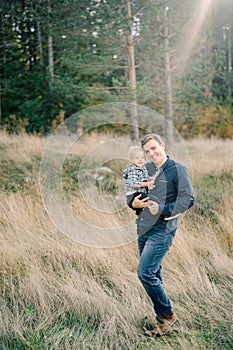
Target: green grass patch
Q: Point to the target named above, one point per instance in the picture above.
(210, 192)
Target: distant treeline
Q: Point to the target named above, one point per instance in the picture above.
(59, 57)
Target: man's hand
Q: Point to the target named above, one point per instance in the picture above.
(153, 207)
(139, 203)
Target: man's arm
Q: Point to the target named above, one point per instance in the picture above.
(185, 197)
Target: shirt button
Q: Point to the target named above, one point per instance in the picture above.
(141, 219)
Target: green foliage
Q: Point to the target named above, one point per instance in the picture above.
(89, 42)
(29, 311)
(211, 120)
(70, 174)
(12, 178)
(211, 190)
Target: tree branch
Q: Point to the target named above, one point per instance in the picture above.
(143, 4)
(90, 88)
(104, 67)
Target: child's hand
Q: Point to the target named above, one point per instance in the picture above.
(151, 178)
(148, 184)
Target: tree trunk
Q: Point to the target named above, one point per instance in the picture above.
(168, 83)
(50, 48)
(132, 80)
(229, 68)
(3, 65)
(40, 42)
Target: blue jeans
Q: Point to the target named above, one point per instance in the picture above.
(153, 247)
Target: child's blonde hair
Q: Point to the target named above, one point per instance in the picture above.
(133, 150)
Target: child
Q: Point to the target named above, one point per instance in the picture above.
(136, 175)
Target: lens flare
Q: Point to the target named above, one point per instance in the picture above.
(96, 217)
(191, 32)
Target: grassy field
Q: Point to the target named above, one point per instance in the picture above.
(58, 294)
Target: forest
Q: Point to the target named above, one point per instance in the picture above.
(173, 56)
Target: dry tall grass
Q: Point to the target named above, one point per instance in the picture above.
(57, 294)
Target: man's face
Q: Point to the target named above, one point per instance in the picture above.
(156, 152)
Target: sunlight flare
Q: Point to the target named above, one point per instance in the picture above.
(191, 31)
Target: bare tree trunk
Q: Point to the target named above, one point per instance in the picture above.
(3, 65)
(40, 42)
(133, 82)
(168, 82)
(50, 48)
(229, 67)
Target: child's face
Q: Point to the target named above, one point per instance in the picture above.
(138, 158)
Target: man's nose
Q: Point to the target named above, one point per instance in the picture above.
(151, 152)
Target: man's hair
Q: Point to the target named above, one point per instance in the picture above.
(133, 150)
(149, 137)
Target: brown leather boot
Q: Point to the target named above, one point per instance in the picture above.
(164, 325)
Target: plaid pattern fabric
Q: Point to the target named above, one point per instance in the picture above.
(134, 177)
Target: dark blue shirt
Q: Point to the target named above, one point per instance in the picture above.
(174, 194)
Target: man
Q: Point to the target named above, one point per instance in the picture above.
(157, 223)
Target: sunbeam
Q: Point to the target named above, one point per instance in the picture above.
(191, 32)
